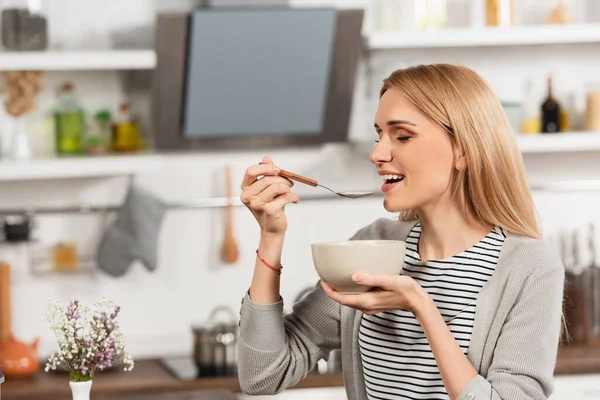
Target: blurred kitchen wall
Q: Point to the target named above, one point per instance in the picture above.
(159, 307)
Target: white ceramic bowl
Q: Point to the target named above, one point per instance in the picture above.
(336, 262)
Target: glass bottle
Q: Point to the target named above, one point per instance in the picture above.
(550, 112)
(531, 123)
(70, 122)
(126, 132)
(98, 140)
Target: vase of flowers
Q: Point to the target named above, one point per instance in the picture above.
(89, 340)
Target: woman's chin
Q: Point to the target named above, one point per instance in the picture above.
(395, 205)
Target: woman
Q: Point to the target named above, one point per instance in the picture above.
(476, 312)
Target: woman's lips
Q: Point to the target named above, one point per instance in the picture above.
(386, 187)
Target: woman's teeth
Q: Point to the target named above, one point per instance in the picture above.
(392, 178)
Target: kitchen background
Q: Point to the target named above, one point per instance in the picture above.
(159, 307)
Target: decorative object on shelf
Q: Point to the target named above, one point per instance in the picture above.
(531, 122)
(64, 256)
(550, 112)
(18, 359)
(126, 132)
(592, 112)
(99, 136)
(229, 250)
(70, 122)
(499, 12)
(134, 234)
(394, 15)
(90, 340)
(514, 113)
(434, 14)
(24, 25)
(561, 14)
(22, 88)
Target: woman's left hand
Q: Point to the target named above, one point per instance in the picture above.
(390, 292)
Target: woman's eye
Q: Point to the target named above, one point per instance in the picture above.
(403, 138)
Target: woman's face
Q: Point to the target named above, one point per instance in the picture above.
(416, 151)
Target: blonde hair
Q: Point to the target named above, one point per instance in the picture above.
(494, 182)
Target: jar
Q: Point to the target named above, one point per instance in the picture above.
(592, 111)
(65, 256)
(499, 12)
(24, 25)
(99, 135)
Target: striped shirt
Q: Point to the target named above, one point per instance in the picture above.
(397, 360)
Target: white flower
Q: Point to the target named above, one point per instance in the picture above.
(83, 339)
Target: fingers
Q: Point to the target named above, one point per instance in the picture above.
(266, 160)
(365, 302)
(259, 201)
(385, 282)
(275, 208)
(253, 172)
(260, 185)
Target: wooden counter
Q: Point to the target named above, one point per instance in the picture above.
(578, 359)
(148, 377)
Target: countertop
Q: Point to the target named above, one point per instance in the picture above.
(150, 378)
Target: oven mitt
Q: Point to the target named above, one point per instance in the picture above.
(134, 234)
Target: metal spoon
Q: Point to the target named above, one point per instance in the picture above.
(313, 183)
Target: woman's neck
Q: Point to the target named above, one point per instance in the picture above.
(447, 230)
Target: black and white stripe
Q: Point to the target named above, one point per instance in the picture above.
(397, 360)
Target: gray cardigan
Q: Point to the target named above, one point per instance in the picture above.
(513, 346)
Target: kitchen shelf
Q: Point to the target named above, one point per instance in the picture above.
(78, 60)
(78, 167)
(559, 142)
(479, 37)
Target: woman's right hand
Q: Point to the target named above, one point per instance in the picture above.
(267, 197)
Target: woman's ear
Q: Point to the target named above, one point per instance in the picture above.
(460, 160)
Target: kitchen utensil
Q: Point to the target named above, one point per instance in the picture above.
(17, 358)
(17, 228)
(577, 296)
(215, 350)
(229, 251)
(336, 262)
(595, 269)
(313, 183)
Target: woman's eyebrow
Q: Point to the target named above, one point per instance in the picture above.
(397, 122)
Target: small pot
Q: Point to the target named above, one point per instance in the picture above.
(215, 344)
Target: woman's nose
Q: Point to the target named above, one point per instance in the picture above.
(381, 153)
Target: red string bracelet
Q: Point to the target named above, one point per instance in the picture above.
(277, 270)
